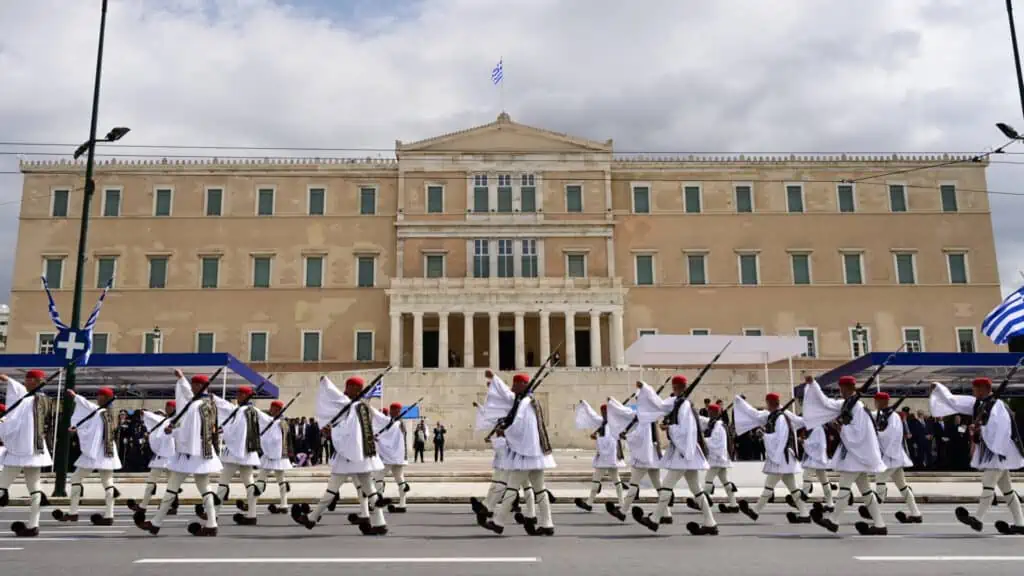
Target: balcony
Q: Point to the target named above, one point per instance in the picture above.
(528, 293)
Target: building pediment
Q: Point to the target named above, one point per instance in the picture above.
(503, 136)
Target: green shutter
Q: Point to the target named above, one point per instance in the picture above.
(744, 199)
(158, 272)
(365, 272)
(851, 262)
(60, 204)
(149, 343)
(314, 271)
(214, 201)
(261, 272)
(435, 199)
(748, 269)
(897, 198)
(692, 194)
(504, 198)
(266, 202)
(435, 265)
(795, 198)
(54, 273)
(364, 347)
(163, 202)
(574, 199)
(645, 270)
(105, 271)
(112, 203)
(211, 269)
(367, 201)
(528, 199)
(641, 200)
(949, 202)
(801, 269)
(258, 347)
(310, 347)
(316, 201)
(480, 199)
(809, 335)
(577, 267)
(100, 343)
(695, 269)
(957, 269)
(846, 201)
(204, 343)
(905, 268)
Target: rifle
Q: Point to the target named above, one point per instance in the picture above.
(986, 409)
(366, 390)
(94, 412)
(845, 416)
(636, 419)
(279, 414)
(674, 414)
(538, 377)
(45, 382)
(396, 419)
(174, 418)
(239, 407)
(713, 420)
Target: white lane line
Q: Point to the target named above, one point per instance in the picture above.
(939, 558)
(10, 549)
(37, 539)
(428, 560)
(64, 532)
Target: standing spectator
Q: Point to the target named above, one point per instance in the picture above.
(919, 436)
(419, 443)
(313, 442)
(439, 432)
(939, 441)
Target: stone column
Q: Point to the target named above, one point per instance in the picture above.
(520, 341)
(493, 344)
(417, 340)
(595, 338)
(467, 341)
(616, 352)
(570, 338)
(442, 340)
(545, 336)
(395, 351)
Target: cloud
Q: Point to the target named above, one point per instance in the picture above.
(694, 75)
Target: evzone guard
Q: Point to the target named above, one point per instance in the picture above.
(277, 452)
(782, 454)
(857, 456)
(393, 445)
(162, 445)
(685, 457)
(608, 460)
(815, 464)
(496, 405)
(997, 451)
(716, 439)
(96, 428)
(196, 447)
(892, 441)
(239, 425)
(350, 422)
(22, 431)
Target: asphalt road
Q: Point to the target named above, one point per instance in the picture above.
(435, 540)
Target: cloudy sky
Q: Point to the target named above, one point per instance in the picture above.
(686, 75)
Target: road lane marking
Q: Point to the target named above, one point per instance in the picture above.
(10, 549)
(939, 558)
(37, 539)
(426, 560)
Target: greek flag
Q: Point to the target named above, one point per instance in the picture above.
(90, 323)
(1007, 319)
(377, 391)
(497, 74)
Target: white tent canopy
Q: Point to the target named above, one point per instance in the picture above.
(675, 350)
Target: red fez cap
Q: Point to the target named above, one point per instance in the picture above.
(247, 390)
(3, 408)
(882, 396)
(772, 397)
(604, 407)
(981, 382)
(355, 380)
(109, 392)
(35, 374)
(521, 378)
(277, 404)
(395, 408)
(171, 404)
(678, 379)
(200, 379)
(847, 381)
(714, 408)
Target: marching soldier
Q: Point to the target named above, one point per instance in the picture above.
(394, 453)
(815, 464)
(22, 430)
(716, 438)
(277, 453)
(609, 457)
(892, 441)
(241, 431)
(162, 445)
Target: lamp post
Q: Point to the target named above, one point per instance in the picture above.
(62, 446)
(860, 335)
(158, 340)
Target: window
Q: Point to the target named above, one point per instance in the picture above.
(59, 204)
(696, 270)
(158, 272)
(481, 193)
(748, 269)
(528, 194)
(860, 344)
(435, 199)
(506, 260)
(752, 332)
(364, 346)
(957, 263)
(641, 200)
(504, 192)
(44, 343)
(214, 201)
(481, 259)
(112, 202)
(646, 332)
(366, 268)
(265, 202)
(897, 198)
(812, 341)
(852, 273)
(529, 268)
(846, 200)
(914, 340)
(106, 267)
(433, 266)
(700, 332)
(801, 268)
(644, 269)
(162, 202)
(205, 342)
(574, 198)
(965, 340)
(258, 346)
(261, 272)
(795, 198)
(317, 201)
(948, 193)
(310, 346)
(314, 272)
(367, 200)
(905, 273)
(100, 342)
(53, 271)
(576, 265)
(151, 343)
(691, 199)
(210, 271)
(744, 198)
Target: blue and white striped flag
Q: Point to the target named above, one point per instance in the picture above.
(497, 74)
(377, 391)
(1007, 319)
(90, 323)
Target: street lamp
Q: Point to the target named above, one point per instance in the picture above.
(860, 335)
(62, 448)
(158, 343)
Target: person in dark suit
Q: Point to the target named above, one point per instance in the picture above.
(313, 441)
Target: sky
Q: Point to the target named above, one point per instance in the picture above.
(658, 75)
